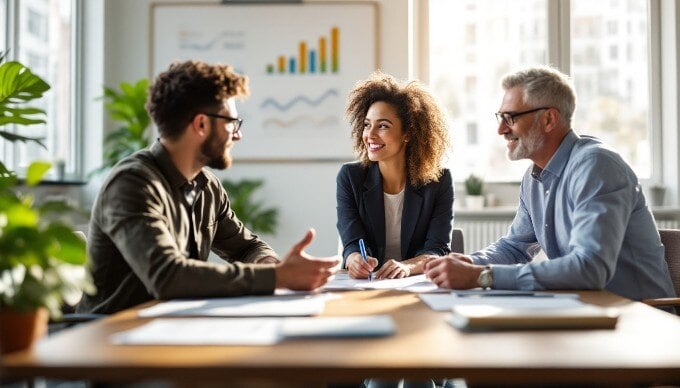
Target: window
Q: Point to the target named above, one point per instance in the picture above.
(609, 66)
(616, 106)
(508, 34)
(42, 37)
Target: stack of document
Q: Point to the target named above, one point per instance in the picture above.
(493, 310)
(416, 284)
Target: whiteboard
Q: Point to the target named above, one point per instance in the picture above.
(302, 60)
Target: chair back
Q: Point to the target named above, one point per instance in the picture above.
(457, 241)
(670, 238)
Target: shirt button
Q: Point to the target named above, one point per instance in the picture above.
(546, 226)
(547, 192)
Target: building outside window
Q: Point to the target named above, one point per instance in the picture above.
(612, 89)
(42, 37)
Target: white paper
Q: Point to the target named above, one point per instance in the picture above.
(351, 326)
(246, 306)
(417, 283)
(251, 331)
(203, 331)
(444, 302)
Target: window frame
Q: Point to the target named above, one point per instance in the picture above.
(559, 54)
(74, 164)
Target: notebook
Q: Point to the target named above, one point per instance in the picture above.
(488, 317)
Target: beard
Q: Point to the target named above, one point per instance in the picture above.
(528, 144)
(215, 151)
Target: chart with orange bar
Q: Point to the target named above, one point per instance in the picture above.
(324, 59)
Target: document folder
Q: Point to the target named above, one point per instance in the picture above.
(488, 317)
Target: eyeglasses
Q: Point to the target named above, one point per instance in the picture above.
(235, 122)
(508, 118)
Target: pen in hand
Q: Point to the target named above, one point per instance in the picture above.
(362, 250)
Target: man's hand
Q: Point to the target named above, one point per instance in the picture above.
(393, 269)
(300, 271)
(453, 271)
(357, 268)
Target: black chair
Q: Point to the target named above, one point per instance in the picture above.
(457, 241)
(670, 238)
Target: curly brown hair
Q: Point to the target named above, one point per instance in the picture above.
(420, 116)
(188, 88)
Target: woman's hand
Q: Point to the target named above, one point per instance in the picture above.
(393, 269)
(357, 268)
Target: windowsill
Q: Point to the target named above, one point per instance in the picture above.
(62, 182)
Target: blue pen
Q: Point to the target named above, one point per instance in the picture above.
(362, 250)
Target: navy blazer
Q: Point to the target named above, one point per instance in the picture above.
(426, 220)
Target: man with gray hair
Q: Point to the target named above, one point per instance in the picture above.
(579, 202)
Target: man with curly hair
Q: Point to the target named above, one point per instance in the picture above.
(579, 201)
(160, 212)
(398, 197)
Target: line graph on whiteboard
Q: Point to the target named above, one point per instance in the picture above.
(301, 60)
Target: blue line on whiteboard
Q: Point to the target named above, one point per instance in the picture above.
(311, 102)
(330, 120)
(230, 40)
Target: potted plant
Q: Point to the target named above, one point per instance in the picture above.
(127, 107)
(252, 213)
(474, 186)
(39, 252)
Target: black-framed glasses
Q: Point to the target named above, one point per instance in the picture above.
(235, 122)
(508, 118)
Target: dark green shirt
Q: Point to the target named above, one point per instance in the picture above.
(139, 238)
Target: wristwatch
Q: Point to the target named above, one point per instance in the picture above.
(485, 279)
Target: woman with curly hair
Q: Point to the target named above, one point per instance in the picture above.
(397, 197)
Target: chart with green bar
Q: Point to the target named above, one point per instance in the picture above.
(324, 59)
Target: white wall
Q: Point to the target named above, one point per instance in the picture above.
(303, 192)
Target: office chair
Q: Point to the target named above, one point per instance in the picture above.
(457, 241)
(670, 238)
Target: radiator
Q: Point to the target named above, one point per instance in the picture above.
(668, 224)
(478, 234)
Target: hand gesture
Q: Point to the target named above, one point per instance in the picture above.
(300, 271)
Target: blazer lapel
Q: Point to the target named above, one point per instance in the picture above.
(413, 200)
(375, 207)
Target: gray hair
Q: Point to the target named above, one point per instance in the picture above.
(545, 86)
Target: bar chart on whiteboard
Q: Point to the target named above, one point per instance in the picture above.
(301, 60)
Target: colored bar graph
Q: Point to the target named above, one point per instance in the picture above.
(322, 54)
(303, 57)
(282, 64)
(335, 43)
(312, 61)
(323, 59)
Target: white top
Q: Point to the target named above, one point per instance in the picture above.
(394, 205)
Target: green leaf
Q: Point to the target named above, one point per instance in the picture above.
(69, 247)
(14, 137)
(19, 85)
(36, 171)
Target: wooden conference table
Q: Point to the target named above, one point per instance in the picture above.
(644, 348)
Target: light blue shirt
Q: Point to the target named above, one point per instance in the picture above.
(587, 211)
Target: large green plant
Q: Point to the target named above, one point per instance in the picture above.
(39, 252)
(252, 213)
(19, 85)
(127, 107)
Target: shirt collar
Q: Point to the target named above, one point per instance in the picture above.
(172, 174)
(559, 159)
